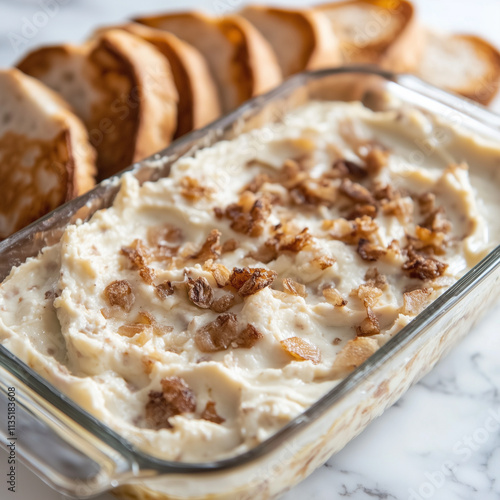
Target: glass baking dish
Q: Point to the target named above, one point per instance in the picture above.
(78, 455)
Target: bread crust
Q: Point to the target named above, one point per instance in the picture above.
(257, 55)
(403, 54)
(120, 86)
(485, 90)
(198, 100)
(326, 52)
(155, 89)
(396, 51)
(476, 65)
(240, 60)
(317, 46)
(45, 155)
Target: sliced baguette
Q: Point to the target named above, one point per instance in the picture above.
(464, 64)
(45, 155)
(301, 38)
(241, 61)
(198, 99)
(383, 32)
(120, 86)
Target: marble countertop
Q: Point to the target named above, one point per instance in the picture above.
(442, 439)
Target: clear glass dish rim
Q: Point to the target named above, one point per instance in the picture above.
(408, 334)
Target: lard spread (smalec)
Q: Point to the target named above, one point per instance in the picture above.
(202, 312)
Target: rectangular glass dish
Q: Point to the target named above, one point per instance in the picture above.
(78, 455)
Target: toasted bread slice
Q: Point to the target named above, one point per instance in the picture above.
(383, 32)
(198, 99)
(301, 38)
(120, 86)
(241, 61)
(45, 155)
(464, 64)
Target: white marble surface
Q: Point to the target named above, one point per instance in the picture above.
(442, 439)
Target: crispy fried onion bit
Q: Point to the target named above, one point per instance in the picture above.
(355, 352)
(202, 295)
(175, 398)
(351, 231)
(210, 414)
(369, 326)
(392, 202)
(224, 332)
(211, 248)
(294, 288)
(356, 192)
(249, 215)
(285, 242)
(323, 261)
(432, 234)
(346, 168)
(223, 303)
(374, 278)
(119, 293)
(423, 267)
(370, 251)
(426, 203)
(137, 253)
(306, 190)
(415, 300)
(139, 256)
(251, 280)
(360, 209)
(374, 153)
(200, 292)
(192, 190)
(293, 242)
(229, 245)
(333, 296)
(219, 271)
(144, 323)
(384, 197)
(301, 349)
(369, 295)
(303, 189)
(163, 290)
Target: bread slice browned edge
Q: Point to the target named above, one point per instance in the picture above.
(36, 61)
(153, 81)
(326, 53)
(198, 99)
(399, 53)
(485, 90)
(81, 162)
(404, 52)
(39, 61)
(482, 89)
(261, 63)
(319, 44)
(79, 167)
(152, 120)
(255, 69)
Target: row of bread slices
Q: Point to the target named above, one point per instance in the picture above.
(135, 87)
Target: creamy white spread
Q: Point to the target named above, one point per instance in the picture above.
(355, 221)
